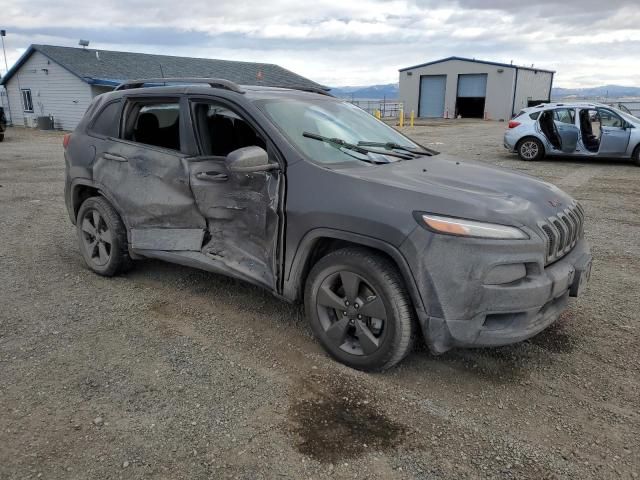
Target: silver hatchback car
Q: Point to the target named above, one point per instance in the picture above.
(574, 129)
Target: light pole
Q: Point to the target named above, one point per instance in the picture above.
(3, 33)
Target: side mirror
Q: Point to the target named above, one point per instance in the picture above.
(249, 160)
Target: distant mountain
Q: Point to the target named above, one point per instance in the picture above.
(390, 92)
(370, 92)
(611, 91)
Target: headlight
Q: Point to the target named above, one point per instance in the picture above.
(471, 228)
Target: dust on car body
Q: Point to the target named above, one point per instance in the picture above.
(315, 200)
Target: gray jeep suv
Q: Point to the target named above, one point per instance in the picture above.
(312, 198)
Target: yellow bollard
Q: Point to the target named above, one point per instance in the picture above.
(378, 116)
(401, 118)
(413, 116)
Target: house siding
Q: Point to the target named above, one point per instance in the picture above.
(57, 92)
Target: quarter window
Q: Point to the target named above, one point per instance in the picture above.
(107, 121)
(27, 102)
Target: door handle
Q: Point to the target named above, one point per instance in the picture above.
(212, 176)
(114, 157)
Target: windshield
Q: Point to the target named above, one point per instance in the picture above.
(627, 116)
(332, 119)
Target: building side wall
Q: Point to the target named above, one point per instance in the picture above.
(531, 85)
(500, 86)
(54, 90)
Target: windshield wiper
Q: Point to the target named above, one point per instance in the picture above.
(397, 146)
(339, 143)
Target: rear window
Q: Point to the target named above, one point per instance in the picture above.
(107, 121)
(534, 115)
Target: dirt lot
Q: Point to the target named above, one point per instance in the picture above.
(174, 373)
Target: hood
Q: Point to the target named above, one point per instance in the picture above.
(447, 185)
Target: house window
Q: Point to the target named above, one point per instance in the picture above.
(27, 102)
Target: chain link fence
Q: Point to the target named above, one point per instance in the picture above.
(387, 108)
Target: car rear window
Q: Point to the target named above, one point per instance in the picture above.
(107, 121)
(534, 115)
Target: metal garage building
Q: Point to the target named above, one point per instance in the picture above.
(472, 88)
(60, 82)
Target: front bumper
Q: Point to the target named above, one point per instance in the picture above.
(466, 309)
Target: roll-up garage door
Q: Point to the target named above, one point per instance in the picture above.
(472, 90)
(432, 90)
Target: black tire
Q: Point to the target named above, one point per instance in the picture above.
(1, 137)
(636, 156)
(107, 252)
(379, 290)
(530, 149)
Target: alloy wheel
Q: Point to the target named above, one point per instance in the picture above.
(529, 150)
(351, 313)
(96, 237)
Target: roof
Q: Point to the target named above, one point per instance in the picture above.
(110, 68)
(567, 104)
(473, 60)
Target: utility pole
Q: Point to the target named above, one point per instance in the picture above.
(3, 33)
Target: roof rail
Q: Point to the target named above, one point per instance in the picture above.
(303, 88)
(213, 82)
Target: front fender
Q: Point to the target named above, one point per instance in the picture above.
(293, 283)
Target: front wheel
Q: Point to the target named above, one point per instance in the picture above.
(359, 309)
(636, 156)
(530, 149)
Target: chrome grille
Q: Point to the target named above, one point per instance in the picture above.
(563, 231)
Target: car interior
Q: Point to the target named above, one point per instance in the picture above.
(548, 127)
(221, 131)
(156, 124)
(589, 139)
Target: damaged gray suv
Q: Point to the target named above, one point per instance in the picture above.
(316, 200)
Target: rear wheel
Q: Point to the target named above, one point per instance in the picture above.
(530, 149)
(359, 309)
(102, 237)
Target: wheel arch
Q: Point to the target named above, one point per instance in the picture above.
(319, 242)
(81, 189)
(532, 136)
(635, 153)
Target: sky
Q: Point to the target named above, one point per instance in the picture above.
(339, 43)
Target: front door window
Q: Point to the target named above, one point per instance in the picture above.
(242, 210)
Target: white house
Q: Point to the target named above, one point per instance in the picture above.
(60, 82)
(472, 88)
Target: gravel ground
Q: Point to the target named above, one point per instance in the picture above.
(169, 372)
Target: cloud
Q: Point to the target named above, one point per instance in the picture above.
(347, 42)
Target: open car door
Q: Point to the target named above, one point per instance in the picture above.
(568, 137)
(564, 120)
(614, 133)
